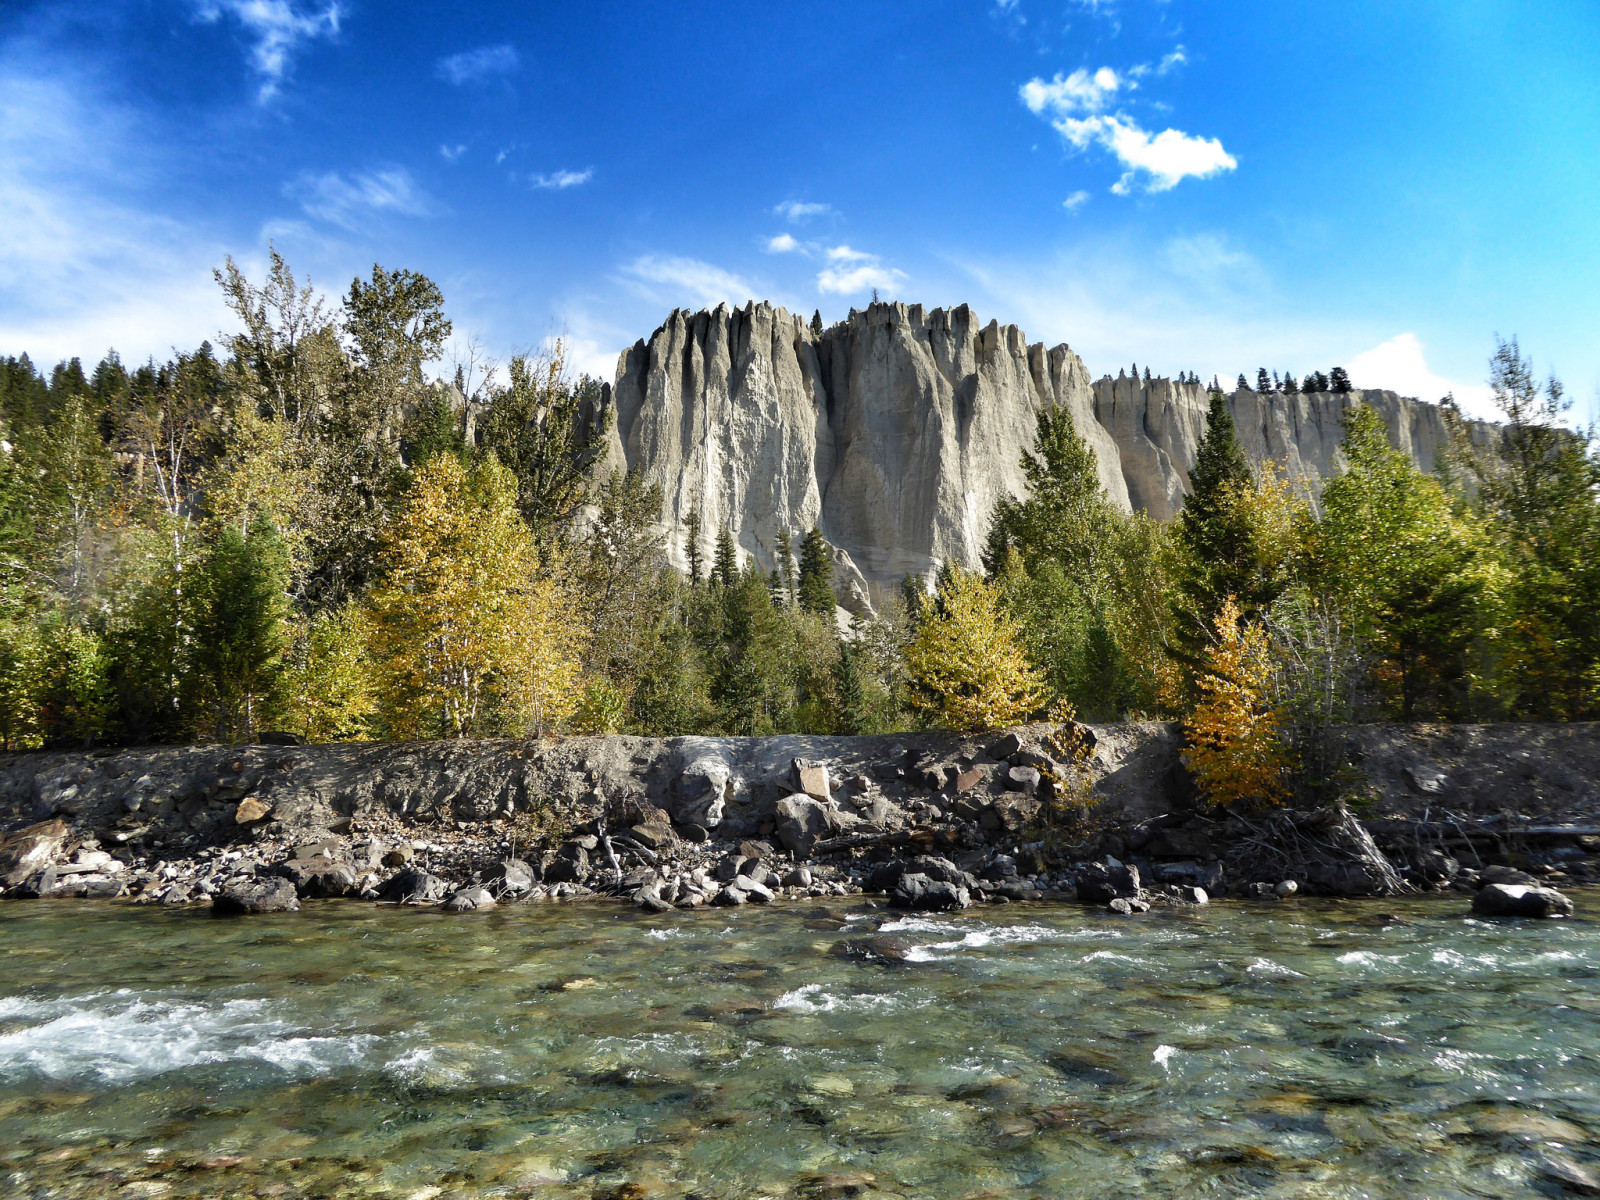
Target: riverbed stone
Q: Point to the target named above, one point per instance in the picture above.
(1520, 900)
(262, 894)
(469, 899)
(1101, 883)
(1022, 779)
(510, 878)
(251, 810)
(701, 791)
(811, 778)
(800, 822)
(920, 893)
(413, 886)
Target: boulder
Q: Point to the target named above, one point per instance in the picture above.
(251, 810)
(700, 793)
(1504, 874)
(261, 894)
(1022, 779)
(800, 822)
(920, 893)
(753, 890)
(318, 876)
(509, 879)
(885, 877)
(969, 779)
(882, 950)
(1008, 745)
(811, 778)
(469, 899)
(1101, 883)
(26, 851)
(412, 886)
(570, 866)
(728, 867)
(1520, 900)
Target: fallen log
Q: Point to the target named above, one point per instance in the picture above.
(867, 841)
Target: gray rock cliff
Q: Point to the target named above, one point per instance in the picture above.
(896, 431)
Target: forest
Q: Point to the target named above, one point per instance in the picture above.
(304, 530)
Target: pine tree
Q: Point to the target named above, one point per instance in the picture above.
(1243, 384)
(849, 692)
(816, 575)
(1147, 376)
(1290, 387)
(725, 566)
(1315, 382)
(1339, 380)
(816, 322)
(696, 557)
(1263, 380)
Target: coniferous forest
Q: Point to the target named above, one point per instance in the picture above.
(309, 528)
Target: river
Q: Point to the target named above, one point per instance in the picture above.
(1296, 1049)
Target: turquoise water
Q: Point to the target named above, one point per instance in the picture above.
(1303, 1049)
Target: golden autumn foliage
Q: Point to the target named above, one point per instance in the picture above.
(469, 635)
(967, 667)
(1237, 752)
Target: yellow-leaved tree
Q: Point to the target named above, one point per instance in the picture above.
(1237, 751)
(470, 635)
(967, 667)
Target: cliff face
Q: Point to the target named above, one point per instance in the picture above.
(896, 431)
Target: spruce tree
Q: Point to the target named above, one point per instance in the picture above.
(816, 322)
(849, 692)
(816, 575)
(239, 634)
(1263, 380)
(1339, 380)
(1290, 387)
(725, 566)
(697, 561)
(1243, 384)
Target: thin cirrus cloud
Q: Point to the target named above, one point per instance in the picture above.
(1075, 201)
(560, 181)
(850, 272)
(1075, 107)
(476, 66)
(353, 202)
(797, 212)
(667, 279)
(279, 27)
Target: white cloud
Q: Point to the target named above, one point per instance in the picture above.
(1075, 201)
(279, 27)
(474, 66)
(1075, 93)
(1171, 62)
(782, 244)
(689, 278)
(854, 272)
(350, 203)
(561, 180)
(1165, 159)
(797, 211)
(451, 153)
(1400, 365)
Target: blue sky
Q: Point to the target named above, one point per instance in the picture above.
(1193, 186)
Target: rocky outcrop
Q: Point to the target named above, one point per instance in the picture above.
(897, 431)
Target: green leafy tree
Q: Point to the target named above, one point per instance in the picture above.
(240, 635)
(816, 575)
(967, 667)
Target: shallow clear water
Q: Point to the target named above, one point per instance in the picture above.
(1297, 1049)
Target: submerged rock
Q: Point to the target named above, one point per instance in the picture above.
(1520, 900)
(880, 949)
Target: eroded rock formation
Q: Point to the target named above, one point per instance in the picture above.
(897, 430)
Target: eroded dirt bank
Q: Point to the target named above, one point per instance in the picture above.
(934, 820)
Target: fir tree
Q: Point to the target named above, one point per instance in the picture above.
(1244, 384)
(725, 566)
(785, 547)
(816, 322)
(849, 692)
(1263, 380)
(1339, 380)
(697, 560)
(816, 575)
(1290, 387)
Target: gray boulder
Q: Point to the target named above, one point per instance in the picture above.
(919, 893)
(509, 879)
(1100, 883)
(469, 899)
(701, 792)
(1520, 900)
(801, 821)
(262, 894)
(412, 886)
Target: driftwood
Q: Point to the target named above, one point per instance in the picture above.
(1492, 829)
(1326, 847)
(865, 841)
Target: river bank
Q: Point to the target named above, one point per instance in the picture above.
(931, 821)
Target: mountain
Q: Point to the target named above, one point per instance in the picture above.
(897, 430)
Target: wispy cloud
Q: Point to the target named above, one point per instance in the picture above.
(561, 180)
(1074, 105)
(851, 272)
(1171, 62)
(475, 66)
(1075, 201)
(782, 244)
(279, 27)
(352, 202)
(676, 279)
(451, 153)
(798, 211)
